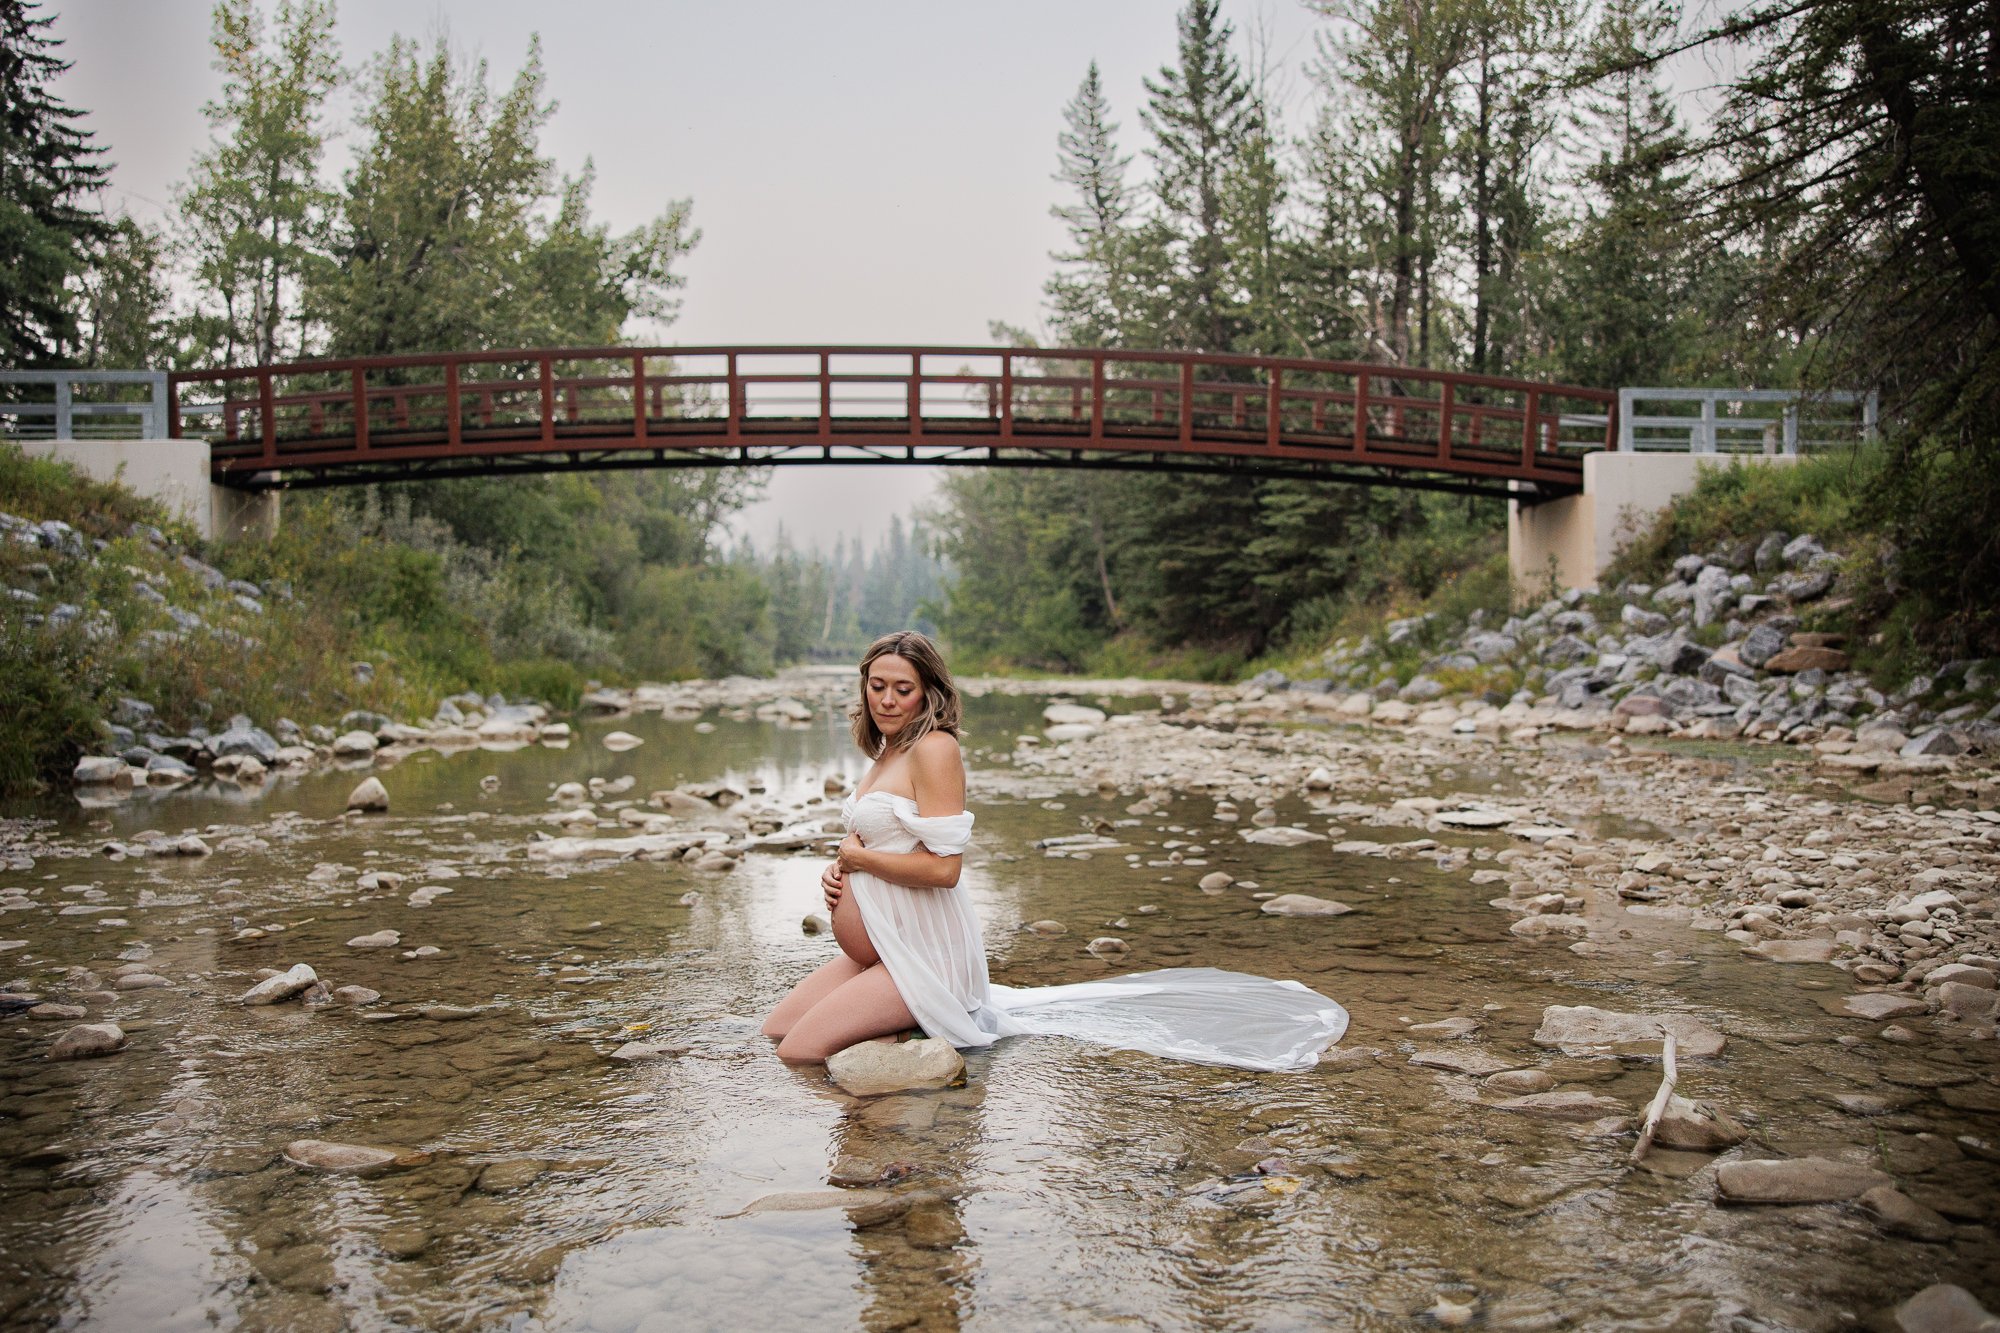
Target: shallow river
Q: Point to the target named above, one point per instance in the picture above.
(547, 1187)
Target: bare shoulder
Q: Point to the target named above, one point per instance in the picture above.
(937, 772)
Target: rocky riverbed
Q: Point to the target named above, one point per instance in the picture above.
(488, 1057)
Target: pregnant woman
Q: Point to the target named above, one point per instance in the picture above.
(910, 948)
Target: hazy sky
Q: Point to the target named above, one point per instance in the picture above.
(863, 172)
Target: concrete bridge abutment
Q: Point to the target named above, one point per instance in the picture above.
(1577, 536)
(176, 473)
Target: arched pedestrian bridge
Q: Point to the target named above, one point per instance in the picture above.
(390, 418)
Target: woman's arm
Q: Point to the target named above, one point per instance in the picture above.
(938, 774)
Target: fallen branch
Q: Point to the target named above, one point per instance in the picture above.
(1658, 1107)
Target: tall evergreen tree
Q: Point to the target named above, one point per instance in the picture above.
(1088, 298)
(48, 169)
(1200, 114)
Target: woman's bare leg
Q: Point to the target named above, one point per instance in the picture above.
(867, 1006)
(828, 978)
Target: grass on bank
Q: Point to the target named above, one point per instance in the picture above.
(428, 621)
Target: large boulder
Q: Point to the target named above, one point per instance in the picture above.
(1796, 1180)
(94, 769)
(86, 1040)
(873, 1068)
(273, 990)
(1583, 1030)
(242, 738)
(1760, 645)
(355, 745)
(1944, 1308)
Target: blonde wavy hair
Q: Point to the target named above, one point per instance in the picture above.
(941, 710)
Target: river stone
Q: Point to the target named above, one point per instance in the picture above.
(54, 1012)
(140, 981)
(1475, 1063)
(1975, 1098)
(1568, 1104)
(1300, 904)
(1793, 951)
(1963, 973)
(1944, 1308)
(1548, 925)
(339, 1158)
(1048, 928)
(1897, 1212)
(872, 1068)
(634, 1051)
(1519, 1082)
(1474, 818)
(381, 939)
(1962, 1001)
(1581, 1029)
(506, 1177)
(1872, 1005)
(1447, 1029)
(1697, 1126)
(803, 1201)
(357, 995)
(86, 1040)
(622, 740)
(1215, 879)
(852, 1172)
(1108, 944)
(354, 744)
(370, 795)
(1283, 837)
(1058, 715)
(403, 1242)
(1797, 1180)
(272, 990)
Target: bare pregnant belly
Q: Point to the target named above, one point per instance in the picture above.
(851, 934)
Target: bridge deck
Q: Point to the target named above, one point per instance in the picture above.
(346, 422)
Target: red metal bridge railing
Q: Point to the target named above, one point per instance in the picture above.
(349, 421)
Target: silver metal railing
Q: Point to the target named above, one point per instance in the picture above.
(1747, 426)
(61, 417)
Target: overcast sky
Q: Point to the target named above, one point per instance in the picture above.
(864, 172)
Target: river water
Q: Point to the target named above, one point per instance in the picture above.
(545, 1186)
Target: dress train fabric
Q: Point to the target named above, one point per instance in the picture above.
(929, 939)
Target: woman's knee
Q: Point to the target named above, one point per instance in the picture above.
(804, 1050)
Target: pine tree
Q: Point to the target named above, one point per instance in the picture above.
(1200, 114)
(48, 167)
(1087, 300)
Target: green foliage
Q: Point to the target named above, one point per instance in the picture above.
(47, 168)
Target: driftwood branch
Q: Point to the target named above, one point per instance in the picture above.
(1659, 1104)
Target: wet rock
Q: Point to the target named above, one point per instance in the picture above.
(1447, 1029)
(403, 1242)
(1968, 1003)
(1583, 1030)
(1697, 1126)
(851, 1172)
(633, 1052)
(1895, 1211)
(273, 990)
(1472, 1062)
(931, 1229)
(339, 1158)
(1545, 926)
(873, 1068)
(1872, 1005)
(140, 981)
(1944, 1308)
(96, 770)
(1793, 951)
(507, 1177)
(1796, 1180)
(1283, 837)
(1568, 1104)
(622, 740)
(370, 795)
(1214, 880)
(815, 924)
(87, 1040)
(1962, 973)
(803, 1201)
(1519, 1082)
(317, 996)
(381, 939)
(1048, 928)
(191, 846)
(356, 995)
(354, 745)
(57, 1012)
(1104, 944)
(1300, 904)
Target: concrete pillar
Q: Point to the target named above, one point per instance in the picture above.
(1621, 494)
(174, 472)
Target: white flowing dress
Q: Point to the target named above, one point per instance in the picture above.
(929, 939)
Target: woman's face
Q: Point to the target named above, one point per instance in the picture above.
(895, 693)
